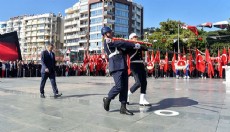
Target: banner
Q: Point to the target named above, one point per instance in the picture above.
(9, 47)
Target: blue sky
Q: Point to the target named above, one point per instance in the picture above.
(192, 12)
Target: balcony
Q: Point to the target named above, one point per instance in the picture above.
(108, 13)
(71, 44)
(43, 21)
(47, 33)
(34, 40)
(29, 23)
(28, 40)
(75, 15)
(68, 30)
(67, 24)
(40, 28)
(68, 17)
(85, 10)
(75, 22)
(34, 28)
(28, 35)
(46, 27)
(34, 22)
(108, 6)
(84, 17)
(109, 21)
(34, 34)
(83, 41)
(83, 33)
(28, 29)
(75, 29)
(72, 37)
(40, 34)
(83, 25)
(40, 40)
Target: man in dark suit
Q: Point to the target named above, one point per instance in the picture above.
(48, 70)
(117, 68)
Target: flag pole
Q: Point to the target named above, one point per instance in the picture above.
(178, 43)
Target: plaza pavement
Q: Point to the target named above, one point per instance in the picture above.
(194, 105)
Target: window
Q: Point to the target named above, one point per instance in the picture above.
(121, 13)
(121, 21)
(96, 20)
(95, 5)
(85, 7)
(96, 13)
(95, 36)
(95, 28)
(121, 6)
(121, 29)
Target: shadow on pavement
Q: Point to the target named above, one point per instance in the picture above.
(78, 96)
(168, 103)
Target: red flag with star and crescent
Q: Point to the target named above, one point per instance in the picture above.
(200, 64)
(224, 57)
(209, 62)
(219, 63)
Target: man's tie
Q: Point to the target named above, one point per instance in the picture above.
(51, 55)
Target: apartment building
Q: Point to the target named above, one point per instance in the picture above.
(13, 24)
(34, 31)
(83, 22)
(41, 30)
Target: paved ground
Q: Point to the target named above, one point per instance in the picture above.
(202, 105)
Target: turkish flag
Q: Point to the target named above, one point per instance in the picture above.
(229, 55)
(9, 47)
(220, 69)
(209, 62)
(193, 29)
(173, 63)
(166, 66)
(157, 57)
(224, 57)
(191, 66)
(200, 64)
(152, 57)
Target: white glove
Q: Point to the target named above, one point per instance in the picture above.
(108, 40)
(137, 46)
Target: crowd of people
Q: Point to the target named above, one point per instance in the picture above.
(100, 68)
(96, 65)
(33, 69)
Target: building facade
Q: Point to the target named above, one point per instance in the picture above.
(34, 32)
(83, 22)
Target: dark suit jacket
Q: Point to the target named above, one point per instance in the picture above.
(47, 61)
(118, 62)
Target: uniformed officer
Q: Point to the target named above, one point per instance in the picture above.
(138, 70)
(117, 68)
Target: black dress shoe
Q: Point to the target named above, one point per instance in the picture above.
(123, 110)
(42, 96)
(106, 101)
(57, 95)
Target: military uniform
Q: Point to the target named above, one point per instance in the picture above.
(118, 68)
(138, 70)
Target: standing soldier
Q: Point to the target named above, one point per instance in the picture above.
(138, 70)
(117, 68)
